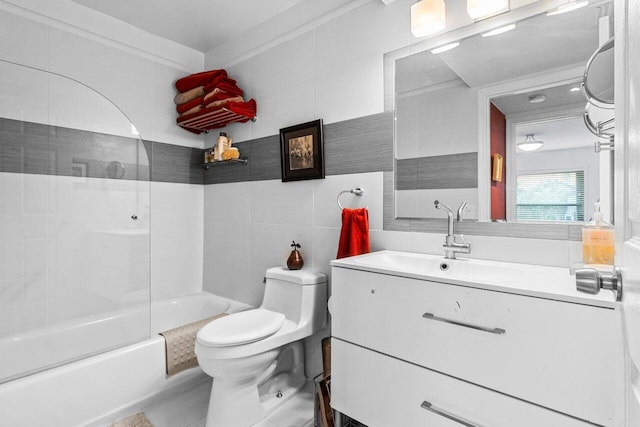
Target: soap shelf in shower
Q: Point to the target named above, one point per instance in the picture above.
(206, 166)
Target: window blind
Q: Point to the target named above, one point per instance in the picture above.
(550, 197)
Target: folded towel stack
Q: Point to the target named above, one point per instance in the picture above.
(214, 97)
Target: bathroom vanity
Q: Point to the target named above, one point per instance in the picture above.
(422, 340)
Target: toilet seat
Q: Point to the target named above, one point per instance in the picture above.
(241, 328)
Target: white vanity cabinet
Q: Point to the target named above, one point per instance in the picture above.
(413, 352)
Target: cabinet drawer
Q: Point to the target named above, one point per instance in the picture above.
(555, 354)
(379, 390)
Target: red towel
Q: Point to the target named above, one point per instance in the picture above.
(226, 84)
(247, 109)
(198, 79)
(217, 94)
(354, 236)
(187, 96)
(223, 102)
(189, 105)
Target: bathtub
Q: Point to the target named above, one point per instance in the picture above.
(99, 389)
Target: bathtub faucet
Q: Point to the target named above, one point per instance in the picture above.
(454, 243)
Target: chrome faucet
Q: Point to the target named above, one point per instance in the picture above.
(452, 245)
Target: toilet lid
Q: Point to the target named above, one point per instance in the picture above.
(241, 328)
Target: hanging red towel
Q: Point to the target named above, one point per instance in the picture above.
(354, 236)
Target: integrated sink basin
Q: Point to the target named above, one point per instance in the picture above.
(523, 279)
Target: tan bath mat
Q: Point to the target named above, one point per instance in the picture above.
(137, 420)
(180, 345)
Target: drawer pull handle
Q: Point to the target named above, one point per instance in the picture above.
(429, 407)
(498, 331)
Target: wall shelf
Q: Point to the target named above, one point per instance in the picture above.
(206, 166)
(217, 117)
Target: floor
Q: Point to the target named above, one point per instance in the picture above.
(189, 409)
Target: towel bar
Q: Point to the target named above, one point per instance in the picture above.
(357, 191)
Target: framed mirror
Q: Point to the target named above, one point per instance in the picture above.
(464, 114)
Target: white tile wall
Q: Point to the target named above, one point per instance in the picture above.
(141, 86)
(249, 226)
(23, 40)
(69, 248)
(176, 239)
(139, 83)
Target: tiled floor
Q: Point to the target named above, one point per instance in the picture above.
(189, 409)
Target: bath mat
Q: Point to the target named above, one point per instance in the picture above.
(137, 420)
(180, 345)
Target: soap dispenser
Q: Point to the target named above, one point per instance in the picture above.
(598, 243)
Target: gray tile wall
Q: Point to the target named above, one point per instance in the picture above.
(449, 171)
(353, 146)
(34, 148)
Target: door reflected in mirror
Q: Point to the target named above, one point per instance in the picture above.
(457, 110)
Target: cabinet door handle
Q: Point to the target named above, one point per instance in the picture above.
(498, 331)
(429, 407)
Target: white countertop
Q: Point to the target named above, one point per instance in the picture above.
(523, 279)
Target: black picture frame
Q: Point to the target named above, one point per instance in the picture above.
(302, 151)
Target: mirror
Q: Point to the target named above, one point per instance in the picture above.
(461, 116)
(598, 78)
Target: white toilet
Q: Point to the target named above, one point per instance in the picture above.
(256, 356)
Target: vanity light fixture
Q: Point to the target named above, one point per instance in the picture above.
(570, 6)
(481, 9)
(499, 30)
(445, 48)
(530, 144)
(427, 17)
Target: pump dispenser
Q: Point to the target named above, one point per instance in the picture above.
(598, 243)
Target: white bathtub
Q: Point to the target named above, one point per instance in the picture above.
(98, 389)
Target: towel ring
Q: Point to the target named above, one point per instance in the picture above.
(357, 191)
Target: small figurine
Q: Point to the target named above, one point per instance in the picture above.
(295, 261)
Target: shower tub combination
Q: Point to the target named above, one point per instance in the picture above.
(101, 388)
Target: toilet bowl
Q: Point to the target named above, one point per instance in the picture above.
(256, 357)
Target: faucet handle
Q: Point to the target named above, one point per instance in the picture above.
(459, 238)
(461, 244)
(461, 210)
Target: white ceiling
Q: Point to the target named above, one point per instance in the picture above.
(206, 24)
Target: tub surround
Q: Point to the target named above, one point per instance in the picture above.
(119, 382)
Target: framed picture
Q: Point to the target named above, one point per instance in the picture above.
(302, 151)
(496, 172)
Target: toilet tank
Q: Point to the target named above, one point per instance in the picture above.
(301, 295)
